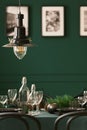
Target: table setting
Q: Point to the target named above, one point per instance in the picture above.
(59, 104)
(23, 100)
(15, 106)
(32, 101)
(67, 103)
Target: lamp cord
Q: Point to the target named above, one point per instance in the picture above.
(19, 6)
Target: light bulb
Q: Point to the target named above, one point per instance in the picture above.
(20, 51)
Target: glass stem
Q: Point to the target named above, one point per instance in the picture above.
(37, 107)
(32, 108)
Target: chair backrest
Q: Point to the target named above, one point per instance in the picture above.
(18, 121)
(77, 116)
(70, 117)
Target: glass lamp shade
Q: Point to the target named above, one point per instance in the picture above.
(20, 51)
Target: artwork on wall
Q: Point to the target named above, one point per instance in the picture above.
(52, 21)
(11, 18)
(83, 21)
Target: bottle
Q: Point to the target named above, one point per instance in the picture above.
(23, 91)
(33, 88)
(31, 98)
(32, 93)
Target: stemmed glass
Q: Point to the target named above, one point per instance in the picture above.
(12, 95)
(85, 96)
(81, 101)
(31, 101)
(3, 99)
(38, 99)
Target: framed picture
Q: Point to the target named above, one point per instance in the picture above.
(11, 18)
(52, 21)
(83, 21)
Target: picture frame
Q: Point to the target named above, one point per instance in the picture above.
(11, 19)
(53, 21)
(83, 20)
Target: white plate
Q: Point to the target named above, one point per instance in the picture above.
(10, 109)
(70, 109)
(33, 113)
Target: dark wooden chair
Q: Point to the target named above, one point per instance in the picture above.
(69, 118)
(18, 121)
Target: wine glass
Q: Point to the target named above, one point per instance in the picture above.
(81, 101)
(38, 99)
(3, 99)
(31, 101)
(12, 94)
(85, 96)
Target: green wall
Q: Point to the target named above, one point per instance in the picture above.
(58, 65)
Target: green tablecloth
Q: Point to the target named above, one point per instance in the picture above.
(47, 120)
(47, 123)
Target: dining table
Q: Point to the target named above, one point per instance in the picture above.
(47, 120)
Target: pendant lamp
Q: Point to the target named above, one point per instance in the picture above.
(19, 42)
